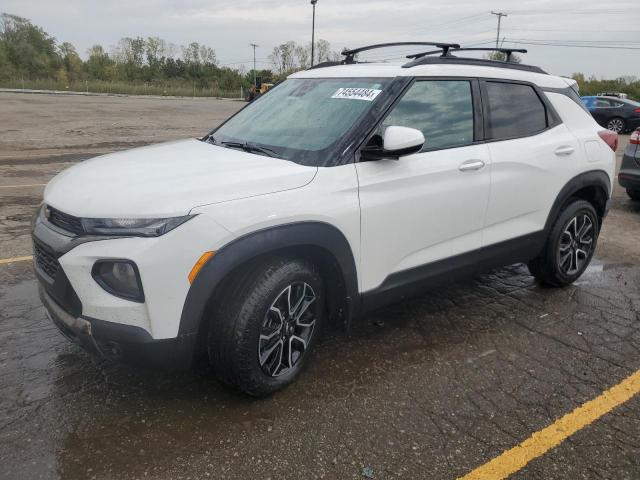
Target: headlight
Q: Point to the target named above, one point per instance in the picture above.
(138, 227)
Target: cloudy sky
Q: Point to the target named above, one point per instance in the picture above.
(229, 26)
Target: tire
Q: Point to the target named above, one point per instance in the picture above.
(254, 343)
(616, 124)
(634, 194)
(568, 249)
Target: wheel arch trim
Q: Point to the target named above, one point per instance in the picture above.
(593, 178)
(252, 245)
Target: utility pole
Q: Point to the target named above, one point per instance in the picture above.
(499, 15)
(313, 29)
(254, 63)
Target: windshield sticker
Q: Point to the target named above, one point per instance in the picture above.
(368, 94)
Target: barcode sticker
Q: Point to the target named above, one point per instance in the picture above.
(368, 94)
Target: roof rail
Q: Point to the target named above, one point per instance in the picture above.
(350, 54)
(325, 64)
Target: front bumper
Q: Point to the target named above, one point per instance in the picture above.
(118, 342)
(146, 333)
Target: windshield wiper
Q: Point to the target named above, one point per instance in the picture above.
(249, 147)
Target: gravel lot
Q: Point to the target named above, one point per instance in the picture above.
(430, 388)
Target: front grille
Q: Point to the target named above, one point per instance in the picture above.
(45, 261)
(65, 221)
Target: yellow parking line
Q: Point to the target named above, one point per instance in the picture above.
(15, 259)
(29, 185)
(541, 442)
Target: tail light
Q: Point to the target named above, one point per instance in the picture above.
(635, 137)
(610, 138)
(637, 110)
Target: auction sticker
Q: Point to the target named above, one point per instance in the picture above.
(368, 94)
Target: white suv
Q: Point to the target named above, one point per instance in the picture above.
(344, 188)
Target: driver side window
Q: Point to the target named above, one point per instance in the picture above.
(441, 109)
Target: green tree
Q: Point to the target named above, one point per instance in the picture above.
(99, 64)
(71, 62)
(29, 49)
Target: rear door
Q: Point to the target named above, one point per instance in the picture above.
(533, 155)
(430, 205)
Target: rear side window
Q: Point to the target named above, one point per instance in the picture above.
(514, 110)
(441, 109)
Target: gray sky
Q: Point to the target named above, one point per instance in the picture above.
(229, 26)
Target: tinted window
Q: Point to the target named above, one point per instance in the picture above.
(514, 110)
(441, 109)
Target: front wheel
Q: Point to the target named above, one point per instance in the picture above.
(266, 325)
(570, 246)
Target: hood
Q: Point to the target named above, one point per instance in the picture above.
(169, 179)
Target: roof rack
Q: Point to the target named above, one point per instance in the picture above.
(350, 54)
(425, 58)
(447, 53)
(444, 51)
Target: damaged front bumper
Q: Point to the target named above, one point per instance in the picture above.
(118, 342)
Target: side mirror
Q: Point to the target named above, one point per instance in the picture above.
(396, 142)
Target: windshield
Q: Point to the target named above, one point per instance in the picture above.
(301, 118)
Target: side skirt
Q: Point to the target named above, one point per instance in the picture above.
(409, 283)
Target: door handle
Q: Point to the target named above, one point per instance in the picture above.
(565, 150)
(471, 165)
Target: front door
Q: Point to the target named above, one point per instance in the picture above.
(430, 205)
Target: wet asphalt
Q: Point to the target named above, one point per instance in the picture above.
(429, 388)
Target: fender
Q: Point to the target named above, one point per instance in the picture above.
(593, 178)
(252, 245)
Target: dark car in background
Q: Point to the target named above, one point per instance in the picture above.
(629, 176)
(617, 114)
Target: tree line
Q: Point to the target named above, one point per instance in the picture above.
(30, 56)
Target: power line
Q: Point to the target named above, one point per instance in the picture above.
(605, 11)
(567, 30)
(612, 47)
(566, 40)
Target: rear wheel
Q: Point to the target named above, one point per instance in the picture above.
(570, 246)
(634, 194)
(261, 336)
(617, 125)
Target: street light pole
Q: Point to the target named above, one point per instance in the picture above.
(254, 63)
(313, 30)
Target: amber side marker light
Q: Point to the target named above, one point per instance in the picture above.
(204, 258)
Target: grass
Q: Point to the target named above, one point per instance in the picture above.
(177, 89)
